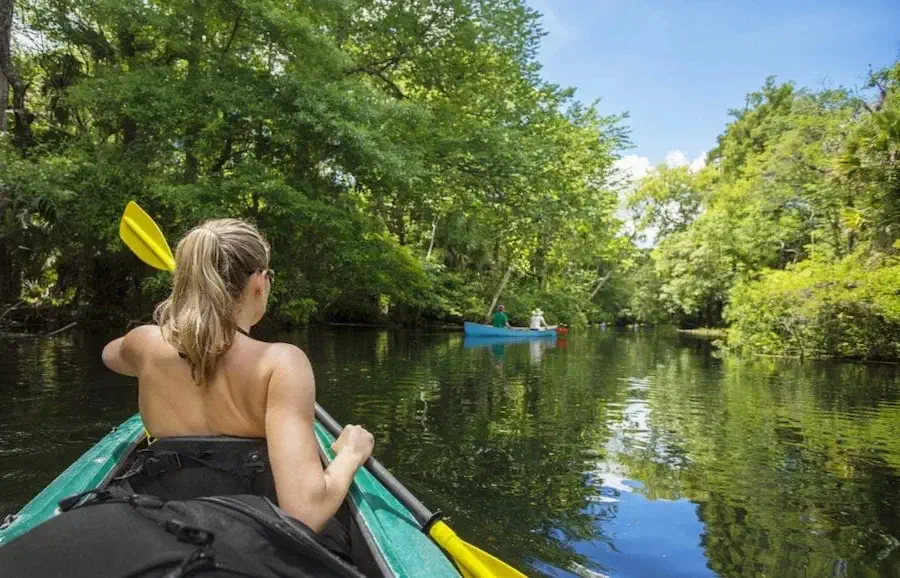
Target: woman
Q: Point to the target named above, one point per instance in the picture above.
(537, 320)
(200, 374)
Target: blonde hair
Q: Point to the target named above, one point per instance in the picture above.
(213, 264)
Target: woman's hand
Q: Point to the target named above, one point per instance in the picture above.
(356, 440)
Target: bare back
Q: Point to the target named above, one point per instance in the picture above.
(256, 390)
(232, 402)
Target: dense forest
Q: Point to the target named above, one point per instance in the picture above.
(403, 158)
(789, 235)
(409, 164)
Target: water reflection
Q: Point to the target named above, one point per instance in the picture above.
(603, 454)
(498, 346)
(56, 399)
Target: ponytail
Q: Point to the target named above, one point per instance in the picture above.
(213, 263)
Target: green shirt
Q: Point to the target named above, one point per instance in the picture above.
(499, 319)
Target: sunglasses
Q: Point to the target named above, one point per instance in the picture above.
(269, 273)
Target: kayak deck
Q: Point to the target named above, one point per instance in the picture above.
(402, 549)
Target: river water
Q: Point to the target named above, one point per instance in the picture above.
(604, 454)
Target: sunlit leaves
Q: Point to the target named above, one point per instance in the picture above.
(799, 177)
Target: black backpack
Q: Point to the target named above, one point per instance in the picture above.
(109, 533)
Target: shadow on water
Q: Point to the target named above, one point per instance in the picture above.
(603, 454)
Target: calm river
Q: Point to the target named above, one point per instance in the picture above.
(605, 454)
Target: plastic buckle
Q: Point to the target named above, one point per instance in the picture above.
(145, 501)
(189, 534)
(161, 463)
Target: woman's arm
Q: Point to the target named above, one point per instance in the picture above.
(305, 490)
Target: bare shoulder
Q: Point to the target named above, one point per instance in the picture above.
(285, 353)
(289, 369)
(144, 334)
(141, 339)
(286, 359)
(126, 354)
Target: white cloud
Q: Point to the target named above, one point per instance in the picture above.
(676, 159)
(632, 167)
(698, 163)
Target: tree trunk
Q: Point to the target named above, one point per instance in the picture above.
(129, 125)
(496, 298)
(192, 130)
(4, 102)
(539, 265)
(431, 245)
(600, 283)
(22, 131)
(10, 275)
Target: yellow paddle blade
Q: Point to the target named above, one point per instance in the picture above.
(144, 238)
(472, 562)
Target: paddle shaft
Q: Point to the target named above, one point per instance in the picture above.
(422, 514)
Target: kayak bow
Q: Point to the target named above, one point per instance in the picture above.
(393, 545)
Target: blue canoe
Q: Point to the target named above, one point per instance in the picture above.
(479, 330)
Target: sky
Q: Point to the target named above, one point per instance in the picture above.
(678, 66)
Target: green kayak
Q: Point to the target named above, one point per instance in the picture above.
(394, 543)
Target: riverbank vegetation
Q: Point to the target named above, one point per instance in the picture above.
(408, 163)
(401, 157)
(789, 235)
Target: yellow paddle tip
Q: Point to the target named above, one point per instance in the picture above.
(472, 561)
(143, 236)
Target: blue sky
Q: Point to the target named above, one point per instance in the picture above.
(677, 66)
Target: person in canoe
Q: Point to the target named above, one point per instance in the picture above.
(537, 321)
(500, 319)
(199, 373)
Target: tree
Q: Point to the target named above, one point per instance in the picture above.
(22, 127)
(400, 156)
(667, 201)
(789, 181)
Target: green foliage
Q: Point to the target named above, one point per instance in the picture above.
(667, 201)
(869, 167)
(399, 155)
(799, 199)
(558, 305)
(845, 309)
(644, 288)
